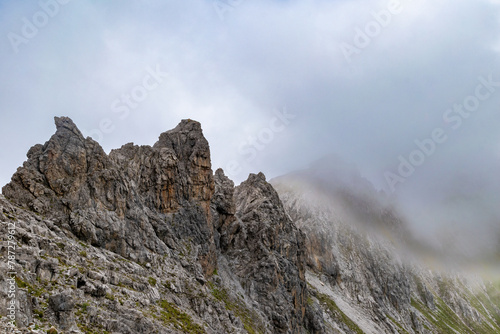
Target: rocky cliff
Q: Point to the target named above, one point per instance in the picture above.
(148, 240)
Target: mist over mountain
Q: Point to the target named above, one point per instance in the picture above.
(358, 237)
(340, 185)
(459, 213)
(458, 224)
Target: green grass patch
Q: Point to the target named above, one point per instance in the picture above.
(400, 328)
(171, 315)
(38, 314)
(83, 244)
(337, 313)
(247, 317)
(487, 304)
(34, 291)
(443, 319)
(152, 281)
(82, 309)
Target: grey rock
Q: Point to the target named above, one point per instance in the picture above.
(145, 226)
(61, 302)
(148, 240)
(266, 252)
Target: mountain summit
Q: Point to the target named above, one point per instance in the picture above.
(151, 233)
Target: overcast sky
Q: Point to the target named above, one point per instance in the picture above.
(275, 84)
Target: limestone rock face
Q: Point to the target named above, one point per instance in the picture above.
(64, 168)
(80, 288)
(174, 179)
(136, 201)
(148, 239)
(266, 251)
(191, 148)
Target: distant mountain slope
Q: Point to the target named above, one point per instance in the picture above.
(363, 278)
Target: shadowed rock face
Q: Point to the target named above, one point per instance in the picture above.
(266, 251)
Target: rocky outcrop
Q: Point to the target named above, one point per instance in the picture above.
(138, 201)
(174, 180)
(79, 288)
(266, 251)
(223, 209)
(148, 239)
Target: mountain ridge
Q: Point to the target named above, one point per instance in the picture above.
(148, 239)
(148, 203)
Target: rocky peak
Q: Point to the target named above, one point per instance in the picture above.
(54, 172)
(64, 124)
(148, 240)
(152, 203)
(122, 201)
(192, 151)
(266, 251)
(163, 201)
(188, 143)
(187, 132)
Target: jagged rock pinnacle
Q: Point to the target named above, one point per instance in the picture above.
(73, 180)
(65, 123)
(159, 204)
